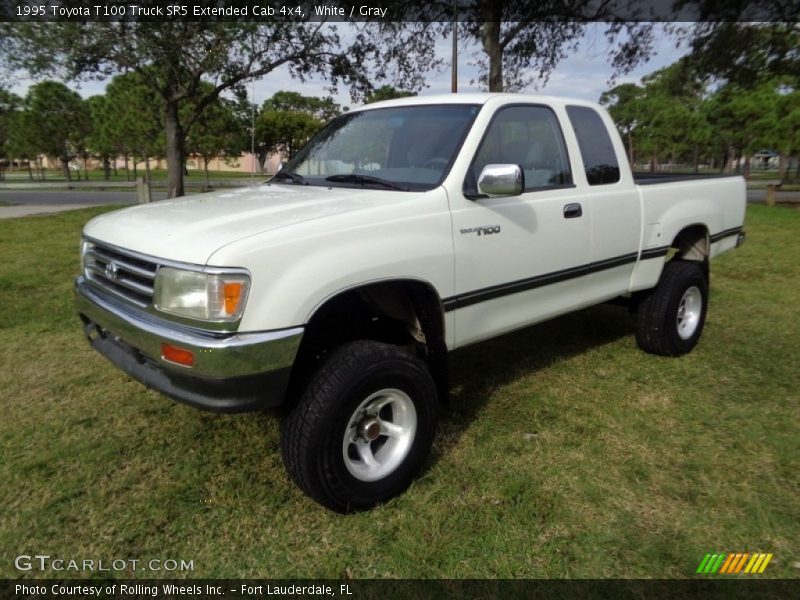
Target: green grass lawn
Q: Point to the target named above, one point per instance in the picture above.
(566, 452)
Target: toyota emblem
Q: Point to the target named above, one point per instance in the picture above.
(111, 271)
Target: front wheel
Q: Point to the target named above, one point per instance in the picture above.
(672, 315)
(362, 428)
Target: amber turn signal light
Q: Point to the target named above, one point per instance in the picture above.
(233, 294)
(177, 355)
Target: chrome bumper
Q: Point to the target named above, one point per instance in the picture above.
(231, 372)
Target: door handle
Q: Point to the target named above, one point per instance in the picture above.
(571, 211)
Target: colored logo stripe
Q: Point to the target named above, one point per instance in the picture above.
(731, 563)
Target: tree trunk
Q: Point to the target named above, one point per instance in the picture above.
(127, 169)
(205, 167)
(490, 38)
(147, 168)
(746, 165)
(135, 168)
(65, 169)
(630, 149)
(107, 167)
(175, 150)
(30, 171)
(85, 168)
(783, 167)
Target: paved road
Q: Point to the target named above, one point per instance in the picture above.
(760, 195)
(25, 203)
(59, 197)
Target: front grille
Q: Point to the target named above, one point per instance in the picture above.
(121, 274)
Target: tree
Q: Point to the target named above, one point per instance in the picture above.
(744, 53)
(750, 119)
(56, 121)
(102, 139)
(673, 101)
(287, 120)
(137, 118)
(784, 126)
(174, 57)
(387, 92)
(677, 111)
(220, 131)
(755, 63)
(523, 41)
(323, 109)
(19, 144)
(517, 42)
(9, 105)
(283, 131)
(83, 136)
(664, 116)
(624, 105)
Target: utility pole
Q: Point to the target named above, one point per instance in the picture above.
(454, 59)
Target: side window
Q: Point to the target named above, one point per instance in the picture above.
(599, 158)
(529, 136)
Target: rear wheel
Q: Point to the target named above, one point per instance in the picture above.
(362, 428)
(672, 315)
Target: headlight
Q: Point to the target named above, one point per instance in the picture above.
(199, 295)
(84, 248)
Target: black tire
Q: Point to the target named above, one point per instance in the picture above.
(659, 330)
(313, 433)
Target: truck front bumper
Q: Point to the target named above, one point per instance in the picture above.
(231, 372)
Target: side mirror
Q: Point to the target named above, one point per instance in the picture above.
(501, 180)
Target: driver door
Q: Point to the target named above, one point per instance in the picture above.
(513, 255)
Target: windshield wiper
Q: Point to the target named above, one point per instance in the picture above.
(354, 178)
(294, 177)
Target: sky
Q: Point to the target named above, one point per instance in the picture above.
(585, 74)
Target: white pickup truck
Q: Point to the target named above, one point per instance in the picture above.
(401, 231)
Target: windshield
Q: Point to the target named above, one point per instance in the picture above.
(408, 147)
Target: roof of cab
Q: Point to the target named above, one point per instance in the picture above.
(473, 98)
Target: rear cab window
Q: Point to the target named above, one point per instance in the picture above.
(599, 158)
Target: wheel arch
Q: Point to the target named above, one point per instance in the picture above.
(692, 243)
(403, 311)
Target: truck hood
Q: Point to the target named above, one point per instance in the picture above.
(192, 228)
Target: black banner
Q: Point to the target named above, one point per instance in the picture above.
(396, 10)
(706, 588)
